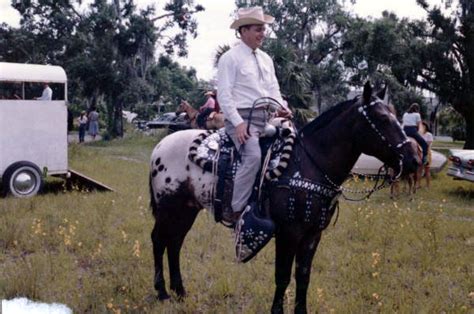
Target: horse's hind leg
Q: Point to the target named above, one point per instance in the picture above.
(158, 251)
(304, 258)
(285, 254)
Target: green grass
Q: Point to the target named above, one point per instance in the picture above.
(92, 251)
(444, 146)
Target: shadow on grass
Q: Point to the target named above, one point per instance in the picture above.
(54, 186)
(462, 192)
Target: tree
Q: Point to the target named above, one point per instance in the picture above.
(448, 59)
(384, 51)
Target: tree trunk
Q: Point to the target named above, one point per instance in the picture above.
(469, 118)
(118, 119)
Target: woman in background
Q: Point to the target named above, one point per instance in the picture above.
(93, 122)
(411, 124)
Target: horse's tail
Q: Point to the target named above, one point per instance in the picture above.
(153, 204)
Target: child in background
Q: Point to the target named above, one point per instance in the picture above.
(82, 120)
(428, 137)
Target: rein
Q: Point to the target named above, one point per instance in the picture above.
(261, 102)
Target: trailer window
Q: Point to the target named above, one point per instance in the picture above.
(34, 90)
(29, 91)
(11, 90)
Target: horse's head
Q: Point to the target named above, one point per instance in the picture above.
(380, 134)
(181, 108)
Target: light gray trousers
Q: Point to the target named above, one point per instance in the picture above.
(250, 155)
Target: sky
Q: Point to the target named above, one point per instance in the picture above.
(214, 22)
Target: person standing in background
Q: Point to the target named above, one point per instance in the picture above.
(93, 118)
(82, 120)
(428, 137)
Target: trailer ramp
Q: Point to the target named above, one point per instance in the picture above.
(80, 179)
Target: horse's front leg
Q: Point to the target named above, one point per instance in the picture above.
(304, 258)
(180, 226)
(158, 251)
(285, 254)
(176, 281)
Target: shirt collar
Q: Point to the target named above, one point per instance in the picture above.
(248, 49)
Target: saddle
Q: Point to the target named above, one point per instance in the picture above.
(215, 152)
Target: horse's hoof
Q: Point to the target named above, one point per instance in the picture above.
(181, 297)
(180, 293)
(163, 296)
(277, 309)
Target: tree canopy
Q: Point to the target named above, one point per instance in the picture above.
(320, 52)
(108, 49)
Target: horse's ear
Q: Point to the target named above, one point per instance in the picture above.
(381, 94)
(367, 94)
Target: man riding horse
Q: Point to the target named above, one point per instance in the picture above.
(246, 73)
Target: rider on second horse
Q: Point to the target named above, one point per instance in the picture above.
(246, 73)
(209, 107)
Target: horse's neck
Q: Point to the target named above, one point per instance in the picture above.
(332, 154)
(191, 112)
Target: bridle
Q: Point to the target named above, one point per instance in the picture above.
(363, 110)
(395, 148)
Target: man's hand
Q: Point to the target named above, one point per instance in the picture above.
(241, 133)
(283, 113)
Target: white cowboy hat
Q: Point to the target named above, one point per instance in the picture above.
(249, 16)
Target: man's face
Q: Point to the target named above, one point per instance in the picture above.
(253, 35)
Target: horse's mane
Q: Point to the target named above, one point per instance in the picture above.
(325, 118)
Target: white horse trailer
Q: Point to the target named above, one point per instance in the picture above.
(33, 133)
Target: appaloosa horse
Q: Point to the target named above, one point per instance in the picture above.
(215, 120)
(323, 156)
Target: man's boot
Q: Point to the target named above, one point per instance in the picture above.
(231, 216)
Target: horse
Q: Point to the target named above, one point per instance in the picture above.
(411, 179)
(214, 121)
(324, 153)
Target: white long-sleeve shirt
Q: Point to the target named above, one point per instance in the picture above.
(47, 94)
(241, 81)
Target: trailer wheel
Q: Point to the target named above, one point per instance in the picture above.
(22, 179)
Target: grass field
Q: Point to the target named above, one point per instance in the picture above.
(92, 251)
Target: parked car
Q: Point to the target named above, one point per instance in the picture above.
(462, 164)
(171, 121)
(370, 165)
